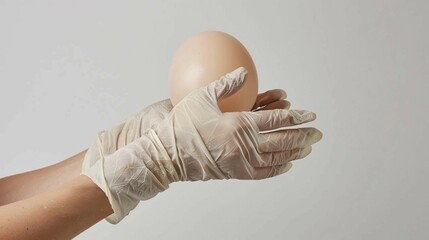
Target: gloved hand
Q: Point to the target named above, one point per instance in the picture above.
(132, 128)
(198, 142)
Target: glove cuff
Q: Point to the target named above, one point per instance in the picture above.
(136, 172)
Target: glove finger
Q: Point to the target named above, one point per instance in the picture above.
(280, 104)
(228, 84)
(268, 97)
(288, 139)
(277, 118)
(279, 158)
(268, 172)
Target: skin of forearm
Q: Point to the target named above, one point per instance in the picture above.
(29, 184)
(60, 214)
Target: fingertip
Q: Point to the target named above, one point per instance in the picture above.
(240, 73)
(304, 116)
(305, 152)
(284, 168)
(319, 135)
(283, 94)
(228, 84)
(315, 135)
(287, 104)
(309, 116)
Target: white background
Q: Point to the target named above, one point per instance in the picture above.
(69, 69)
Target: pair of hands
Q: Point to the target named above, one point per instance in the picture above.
(195, 141)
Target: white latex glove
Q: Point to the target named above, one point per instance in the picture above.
(132, 128)
(198, 142)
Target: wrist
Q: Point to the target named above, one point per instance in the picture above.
(127, 176)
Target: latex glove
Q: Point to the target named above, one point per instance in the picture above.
(132, 128)
(198, 142)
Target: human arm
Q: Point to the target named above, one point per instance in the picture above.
(59, 214)
(24, 185)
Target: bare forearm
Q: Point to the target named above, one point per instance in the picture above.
(59, 214)
(28, 184)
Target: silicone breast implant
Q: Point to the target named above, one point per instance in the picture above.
(206, 57)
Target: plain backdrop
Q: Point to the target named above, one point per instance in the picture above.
(69, 69)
